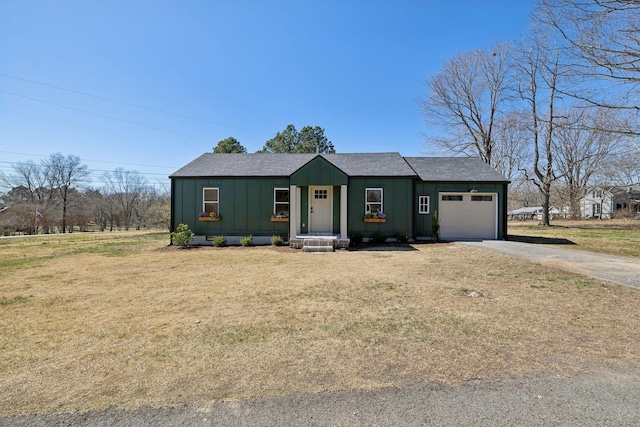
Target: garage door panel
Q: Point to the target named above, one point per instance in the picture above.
(467, 216)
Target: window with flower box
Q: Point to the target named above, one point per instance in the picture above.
(373, 201)
(211, 201)
(281, 202)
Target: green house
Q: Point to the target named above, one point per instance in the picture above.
(298, 196)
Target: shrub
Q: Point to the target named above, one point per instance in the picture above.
(403, 237)
(355, 239)
(219, 241)
(247, 241)
(277, 240)
(380, 237)
(182, 236)
(435, 226)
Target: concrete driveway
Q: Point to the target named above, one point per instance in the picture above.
(622, 270)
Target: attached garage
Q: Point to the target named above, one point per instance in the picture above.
(468, 195)
(468, 216)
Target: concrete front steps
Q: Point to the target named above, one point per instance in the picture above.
(318, 243)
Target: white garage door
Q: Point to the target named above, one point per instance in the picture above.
(468, 216)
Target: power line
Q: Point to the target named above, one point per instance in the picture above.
(91, 160)
(130, 104)
(107, 116)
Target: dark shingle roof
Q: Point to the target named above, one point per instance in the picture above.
(467, 169)
(255, 164)
(461, 169)
(370, 164)
(284, 164)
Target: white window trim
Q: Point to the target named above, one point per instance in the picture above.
(420, 203)
(275, 190)
(205, 201)
(366, 202)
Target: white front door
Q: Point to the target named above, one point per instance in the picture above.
(320, 209)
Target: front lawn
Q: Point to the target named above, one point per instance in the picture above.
(100, 320)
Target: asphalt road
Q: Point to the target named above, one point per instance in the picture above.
(600, 398)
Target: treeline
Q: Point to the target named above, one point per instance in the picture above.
(53, 196)
(557, 111)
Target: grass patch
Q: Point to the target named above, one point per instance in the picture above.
(15, 300)
(160, 326)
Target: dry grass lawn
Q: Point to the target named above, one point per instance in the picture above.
(93, 321)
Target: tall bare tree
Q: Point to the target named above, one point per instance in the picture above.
(465, 100)
(66, 173)
(603, 45)
(539, 74)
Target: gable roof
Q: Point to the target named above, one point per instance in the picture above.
(370, 164)
(458, 169)
(237, 165)
(467, 169)
(285, 164)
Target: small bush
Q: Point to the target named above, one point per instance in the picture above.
(182, 236)
(435, 227)
(219, 241)
(277, 240)
(247, 241)
(355, 239)
(403, 237)
(380, 237)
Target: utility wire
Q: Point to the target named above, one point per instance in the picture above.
(130, 104)
(106, 116)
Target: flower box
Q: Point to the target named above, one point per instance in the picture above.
(208, 218)
(375, 220)
(279, 219)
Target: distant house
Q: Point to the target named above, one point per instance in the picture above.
(609, 202)
(534, 213)
(337, 195)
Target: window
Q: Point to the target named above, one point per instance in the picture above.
(210, 200)
(319, 194)
(281, 202)
(482, 198)
(451, 198)
(596, 209)
(423, 204)
(373, 201)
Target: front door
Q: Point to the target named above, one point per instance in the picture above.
(320, 209)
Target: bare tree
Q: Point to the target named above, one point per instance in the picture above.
(539, 74)
(125, 188)
(511, 150)
(465, 101)
(66, 173)
(603, 47)
(582, 149)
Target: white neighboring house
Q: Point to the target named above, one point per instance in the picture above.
(534, 212)
(600, 202)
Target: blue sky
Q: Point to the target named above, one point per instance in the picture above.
(207, 70)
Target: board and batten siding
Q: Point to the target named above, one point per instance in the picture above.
(397, 204)
(432, 189)
(246, 205)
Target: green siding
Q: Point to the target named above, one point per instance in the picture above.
(318, 172)
(246, 205)
(432, 189)
(397, 204)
